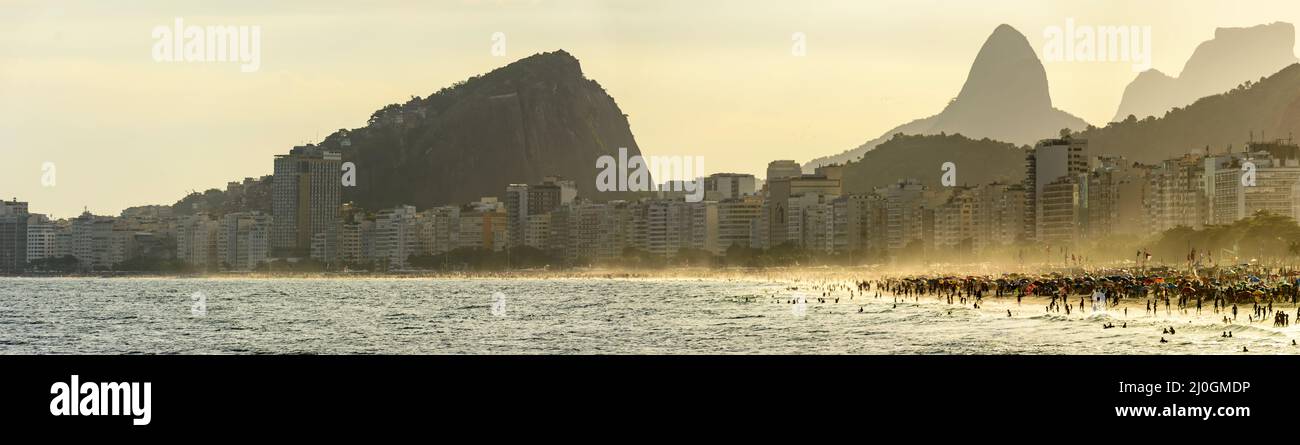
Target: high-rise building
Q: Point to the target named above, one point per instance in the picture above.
(305, 202)
(1176, 194)
(483, 225)
(811, 218)
(831, 171)
(1048, 162)
(516, 200)
(91, 241)
(587, 230)
(196, 241)
(122, 246)
(658, 226)
(396, 236)
(776, 211)
(1060, 211)
(356, 241)
(439, 229)
(975, 219)
(783, 169)
(1273, 185)
(664, 227)
(852, 222)
(13, 236)
(243, 240)
(538, 233)
(1002, 209)
(568, 188)
(703, 226)
(957, 221)
(874, 229)
(735, 217)
(722, 186)
(904, 214)
(523, 201)
(1114, 194)
(41, 235)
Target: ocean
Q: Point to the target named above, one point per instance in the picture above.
(573, 316)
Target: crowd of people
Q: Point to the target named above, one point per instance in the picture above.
(1163, 292)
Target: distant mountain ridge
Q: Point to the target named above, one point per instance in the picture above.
(532, 118)
(1233, 56)
(1005, 97)
(536, 117)
(920, 157)
(1267, 109)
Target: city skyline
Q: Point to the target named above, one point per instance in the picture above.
(142, 132)
(1070, 200)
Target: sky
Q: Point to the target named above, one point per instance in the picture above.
(80, 87)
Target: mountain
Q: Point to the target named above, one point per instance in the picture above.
(1234, 55)
(1268, 109)
(1005, 97)
(535, 117)
(921, 156)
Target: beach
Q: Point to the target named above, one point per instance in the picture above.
(746, 313)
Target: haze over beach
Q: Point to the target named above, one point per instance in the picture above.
(715, 80)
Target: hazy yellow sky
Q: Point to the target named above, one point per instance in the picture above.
(79, 87)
